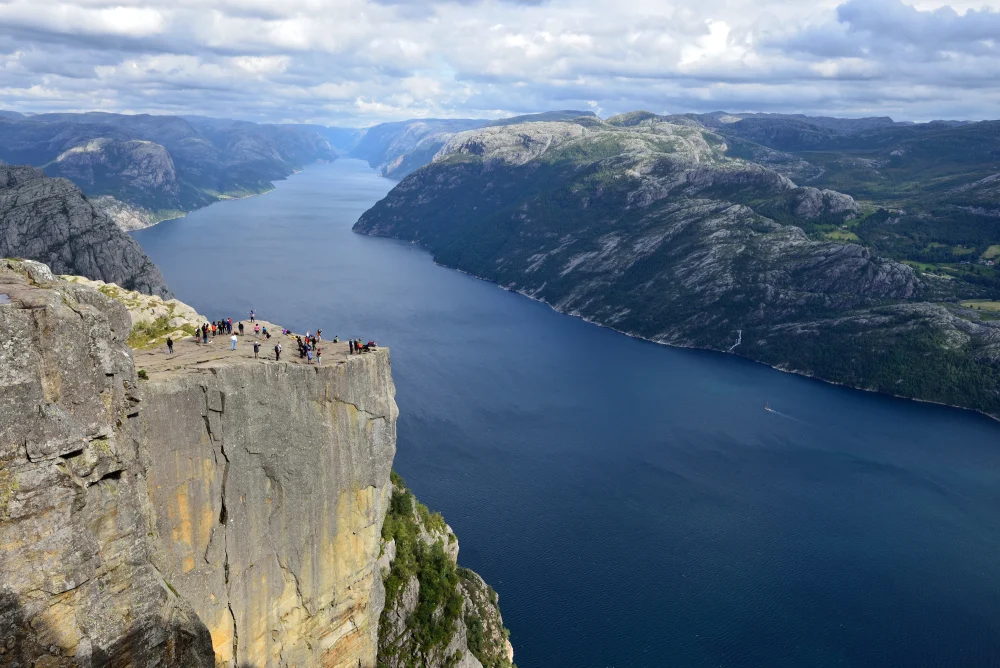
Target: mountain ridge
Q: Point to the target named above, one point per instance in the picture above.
(652, 228)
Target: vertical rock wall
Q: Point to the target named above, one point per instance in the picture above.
(228, 514)
(270, 483)
(77, 586)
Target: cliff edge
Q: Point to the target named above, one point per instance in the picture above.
(207, 508)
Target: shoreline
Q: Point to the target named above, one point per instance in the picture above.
(632, 335)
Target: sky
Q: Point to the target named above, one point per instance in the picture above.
(359, 62)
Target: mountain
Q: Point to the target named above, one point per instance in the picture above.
(653, 226)
(157, 167)
(51, 221)
(398, 149)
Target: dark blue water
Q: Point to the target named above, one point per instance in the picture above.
(633, 505)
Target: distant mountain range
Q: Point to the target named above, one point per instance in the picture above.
(142, 168)
(861, 251)
(398, 149)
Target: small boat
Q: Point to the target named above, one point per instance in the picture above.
(767, 406)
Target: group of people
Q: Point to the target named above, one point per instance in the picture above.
(308, 345)
(356, 347)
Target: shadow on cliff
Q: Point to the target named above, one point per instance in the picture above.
(24, 644)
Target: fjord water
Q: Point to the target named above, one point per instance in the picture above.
(633, 504)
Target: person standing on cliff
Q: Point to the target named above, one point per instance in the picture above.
(319, 356)
(350, 345)
(233, 340)
(277, 352)
(256, 349)
(252, 314)
(241, 328)
(170, 345)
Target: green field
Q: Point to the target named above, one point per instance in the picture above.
(982, 304)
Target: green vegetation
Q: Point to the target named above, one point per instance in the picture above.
(8, 488)
(147, 335)
(433, 622)
(143, 375)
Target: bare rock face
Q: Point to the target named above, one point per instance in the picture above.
(141, 165)
(50, 220)
(219, 514)
(270, 483)
(813, 202)
(77, 583)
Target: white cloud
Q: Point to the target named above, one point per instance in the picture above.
(362, 61)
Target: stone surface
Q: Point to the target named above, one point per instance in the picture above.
(225, 512)
(270, 484)
(50, 220)
(77, 583)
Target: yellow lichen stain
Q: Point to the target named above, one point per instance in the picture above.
(183, 531)
(57, 625)
(222, 637)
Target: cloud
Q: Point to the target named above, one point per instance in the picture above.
(356, 62)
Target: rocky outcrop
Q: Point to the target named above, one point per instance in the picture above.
(437, 614)
(78, 586)
(127, 217)
(216, 511)
(270, 484)
(50, 220)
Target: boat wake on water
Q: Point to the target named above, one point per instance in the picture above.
(767, 407)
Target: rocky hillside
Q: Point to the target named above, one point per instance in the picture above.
(222, 511)
(160, 166)
(653, 227)
(50, 220)
(436, 613)
(398, 149)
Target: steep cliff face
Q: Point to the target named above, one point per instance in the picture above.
(210, 509)
(270, 485)
(49, 220)
(78, 586)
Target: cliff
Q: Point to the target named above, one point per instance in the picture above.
(50, 220)
(655, 229)
(78, 586)
(203, 509)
